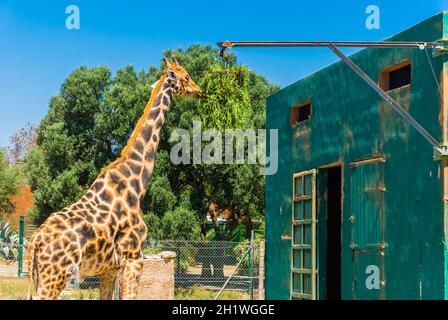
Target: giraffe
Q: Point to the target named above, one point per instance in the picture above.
(102, 233)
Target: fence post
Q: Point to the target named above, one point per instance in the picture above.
(261, 247)
(20, 249)
(250, 267)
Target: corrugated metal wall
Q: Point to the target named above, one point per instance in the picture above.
(367, 204)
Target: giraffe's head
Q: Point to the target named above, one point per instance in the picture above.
(185, 86)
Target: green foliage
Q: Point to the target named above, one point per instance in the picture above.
(210, 234)
(225, 101)
(259, 231)
(9, 242)
(11, 180)
(90, 120)
(161, 198)
(239, 233)
(154, 225)
(151, 250)
(197, 293)
(249, 259)
(181, 224)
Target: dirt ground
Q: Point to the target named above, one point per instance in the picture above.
(10, 269)
(197, 269)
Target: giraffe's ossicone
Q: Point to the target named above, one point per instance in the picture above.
(102, 233)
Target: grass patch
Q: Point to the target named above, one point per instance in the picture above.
(85, 294)
(197, 293)
(13, 288)
(17, 289)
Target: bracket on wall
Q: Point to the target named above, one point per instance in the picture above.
(442, 50)
(441, 153)
(440, 47)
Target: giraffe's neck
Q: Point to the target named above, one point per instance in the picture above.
(136, 162)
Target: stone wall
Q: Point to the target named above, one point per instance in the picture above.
(157, 279)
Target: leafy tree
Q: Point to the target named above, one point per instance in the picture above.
(181, 223)
(10, 182)
(154, 224)
(91, 119)
(160, 196)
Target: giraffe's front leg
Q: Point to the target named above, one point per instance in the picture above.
(131, 278)
(107, 284)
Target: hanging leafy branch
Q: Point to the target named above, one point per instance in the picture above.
(225, 101)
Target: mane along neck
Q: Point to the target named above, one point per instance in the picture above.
(140, 123)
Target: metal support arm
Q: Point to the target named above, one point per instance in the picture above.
(440, 151)
(386, 97)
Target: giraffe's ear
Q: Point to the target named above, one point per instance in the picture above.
(155, 84)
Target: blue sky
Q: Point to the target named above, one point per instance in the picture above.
(37, 52)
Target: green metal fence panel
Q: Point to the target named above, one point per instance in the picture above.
(21, 246)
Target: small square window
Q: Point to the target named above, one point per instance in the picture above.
(300, 113)
(396, 77)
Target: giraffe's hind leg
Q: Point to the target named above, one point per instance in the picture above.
(131, 278)
(51, 283)
(107, 284)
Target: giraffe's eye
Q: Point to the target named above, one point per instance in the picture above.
(187, 78)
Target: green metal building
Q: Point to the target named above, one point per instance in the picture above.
(357, 208)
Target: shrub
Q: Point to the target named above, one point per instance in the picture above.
(9, 242)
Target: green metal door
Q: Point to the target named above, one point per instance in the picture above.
(363, 272)
(303, 246)
(367, 227)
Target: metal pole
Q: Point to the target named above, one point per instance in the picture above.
(250, 267)
(261, 248)
(348, 44)
(20, 251)
(233, 273)
(383, 94)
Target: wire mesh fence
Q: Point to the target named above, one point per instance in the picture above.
(202, 269)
